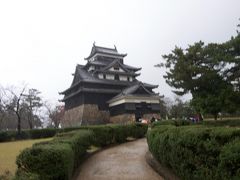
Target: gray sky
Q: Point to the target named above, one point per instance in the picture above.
(42, 41)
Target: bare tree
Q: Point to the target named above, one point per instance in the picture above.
(20, 108)
(2, 107)
(15, 106)
(11, 100)
(55, 114)
(33, 103)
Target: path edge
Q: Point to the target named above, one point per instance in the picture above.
(163, 171)
(88, 155)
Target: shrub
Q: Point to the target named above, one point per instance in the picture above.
(103, 134)
(171, 122)
(22, 175)
(79, 142)
(137, 130)
(27, 134)
(41, 133)
(197, 152)
(58, 158)
(229, 122)
(229, 166)
(7, 135)
(49, 161)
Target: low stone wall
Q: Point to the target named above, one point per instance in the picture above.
(123, 119)
(86, 114)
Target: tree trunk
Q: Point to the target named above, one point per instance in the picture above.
(18, 123)
(215, 116)
(30, 121)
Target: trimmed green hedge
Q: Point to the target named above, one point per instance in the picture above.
(57, 159)
(104, 131)
(229, 122)
(27, 134)
(197, 152)
(109, 134)
(171, 122)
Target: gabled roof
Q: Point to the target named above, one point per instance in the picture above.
(117, 72)
(151, 86)
(99, 62)
(107, 63)
(112, 64)
(77, 76)
(131, 67)
(81, 75)
(124, 67)
(104, 50)
(134, 88)
(131, 91)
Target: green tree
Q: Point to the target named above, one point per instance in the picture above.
(207, 72)
(181, 110)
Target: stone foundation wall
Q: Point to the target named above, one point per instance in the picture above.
(73, 117)
(150, 115)
(92, 115)
(89, 114)
(123, 119)
(86, 114)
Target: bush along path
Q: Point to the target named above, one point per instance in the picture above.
(124, 162)
(197, 152)
(59, 158)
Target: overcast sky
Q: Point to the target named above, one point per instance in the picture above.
(42, 41)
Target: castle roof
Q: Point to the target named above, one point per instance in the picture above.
(104, 63)
(104, 51)
(93, 71)
(133, 90)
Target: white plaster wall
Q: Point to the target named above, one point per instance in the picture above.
(120, 69)
(123, 78)
(100, 76)
(130, 79)
(110, 76)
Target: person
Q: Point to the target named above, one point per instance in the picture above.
(153, 119)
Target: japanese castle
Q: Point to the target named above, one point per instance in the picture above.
(105, 90)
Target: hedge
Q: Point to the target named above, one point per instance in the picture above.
(27, 134)
(197, 152)
(102, 130)
(109, 134)
(57, 159)
(229, 122)
(171, 122)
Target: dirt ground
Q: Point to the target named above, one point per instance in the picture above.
(124, 162)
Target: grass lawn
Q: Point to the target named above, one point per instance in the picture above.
(9, 152)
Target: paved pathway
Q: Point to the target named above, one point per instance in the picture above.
(124, 162)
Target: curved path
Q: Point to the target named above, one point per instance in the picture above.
(124, 162)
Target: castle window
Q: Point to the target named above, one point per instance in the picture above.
(104, 76)
(116, 77)
(116, 68)
(128, 79)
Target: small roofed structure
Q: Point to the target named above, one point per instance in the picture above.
(106, 90)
